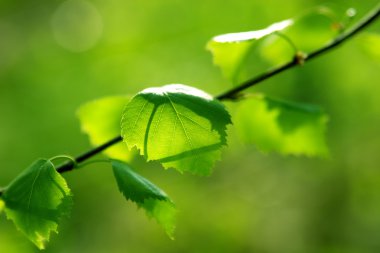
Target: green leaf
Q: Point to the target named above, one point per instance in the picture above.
(180, 126)
(242, 55)
(36, 200)
(285, 127)
(230, 50)
(100, 119)
(146, 195)
(313, 29)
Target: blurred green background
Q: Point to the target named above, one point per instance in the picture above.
(56, 55)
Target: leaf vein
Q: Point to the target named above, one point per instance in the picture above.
(195, 122)
(139, 115)
(158, 120)
(183, 126)
(32, 187)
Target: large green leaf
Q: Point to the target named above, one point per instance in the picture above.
(180, 126)
(100, 119)
(36, 200)
(146, 195)
(242, 55)
(288, 128)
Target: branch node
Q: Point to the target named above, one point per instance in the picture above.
(237, 97)
(300, 58)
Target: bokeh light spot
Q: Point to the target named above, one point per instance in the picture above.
(77, 25)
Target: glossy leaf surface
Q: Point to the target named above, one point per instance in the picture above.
(180, 126)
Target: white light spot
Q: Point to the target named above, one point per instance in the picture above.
(243, 36)
(351, 12)
(77, 25)
(177, 88)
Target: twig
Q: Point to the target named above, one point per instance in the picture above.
(368, 19)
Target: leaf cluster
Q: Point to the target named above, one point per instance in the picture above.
(184, 128)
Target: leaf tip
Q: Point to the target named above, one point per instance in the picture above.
(41, 241)
(164, 212)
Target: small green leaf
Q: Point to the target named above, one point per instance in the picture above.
(288, 128)
(146, 195)
(313, 29)
(100, 119)
(180, 126)
(36, 200)
(230, 50)
(242, 55)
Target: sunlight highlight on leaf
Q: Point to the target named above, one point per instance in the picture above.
(284, 127)
(36, 201)
(229, 50)
(252, 35)
(100, 119)
(179, 126)
(240, 56)
(146, 195)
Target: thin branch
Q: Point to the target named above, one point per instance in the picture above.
(234, 93)
(69, 165)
